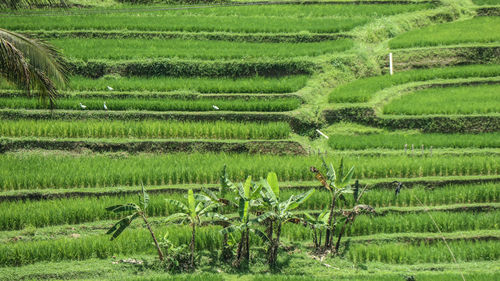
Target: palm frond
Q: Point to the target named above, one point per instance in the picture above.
(31, 64)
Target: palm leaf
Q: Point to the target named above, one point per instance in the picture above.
(123, 208)
(191, 204)
(178, 205)
(175, 217)
(145, 198)
(31, 64)
(299, 200)
(348, 176)
(260, 234)
(272, 179)
(230, 229)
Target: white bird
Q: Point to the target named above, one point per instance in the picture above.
(215, 107)
(109, 88)
(321, 133)
(83, 106)
(105, 107)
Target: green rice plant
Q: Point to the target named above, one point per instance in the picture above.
(476, 30)
(98, 246)
(407, 223)
(19, 214)
(202, 104)
(274, 18)
(386, 276)
(481, 99)
(35, 170)
(132, 48)
(451, 194)
(398, 140)
(362, 90)
(485, 2)
(421, 222)
(144, 129)
(464, 250)
(286, 84)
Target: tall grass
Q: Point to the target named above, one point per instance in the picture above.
(132, 48)
(485, 2)
(203, 104)
(363, 90)
(58, 170)
(20, 214)
(285, 84)
(464, 250)
(99, 246)
(275, 18)
(135, 241)
(481, 99)
(183, 23)
(452, 194)
(385, 276)
(476, 30)
(408, 223)
(398, 141)
(144, 129)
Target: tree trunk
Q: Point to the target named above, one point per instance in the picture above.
(247, 246)
(337, 245)
(315, 238)
(275, 246)
(269, 231)
(330, 218)
(226, 251)
(192, 245)
(160, 254)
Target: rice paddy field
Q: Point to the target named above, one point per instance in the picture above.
(164, 94)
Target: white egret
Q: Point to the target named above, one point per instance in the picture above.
(82, 106)
(105, 107)
(215, 107)
(109, 88)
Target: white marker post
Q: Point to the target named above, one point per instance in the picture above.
(321, 133)
(391, 70)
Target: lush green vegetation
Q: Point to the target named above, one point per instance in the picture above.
(476, 30)
(24, 170)
(144, 129)
(451, 100)
(425, 252)
(398, 140)
(485, 2)
(289, 18)
(362, 90)
(285, 84)
(56, 205)
(119, 49)
(164, 104)
(21, 214)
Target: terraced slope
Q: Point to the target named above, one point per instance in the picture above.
(172, 93)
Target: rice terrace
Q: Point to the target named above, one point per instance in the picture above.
(354, 140)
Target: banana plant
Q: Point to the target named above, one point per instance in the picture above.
(138, 212)
(192, 213)
(220, 198)
(317, 224)
(248, 195)
(351, 215)
(337, 182)
(278, 212)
